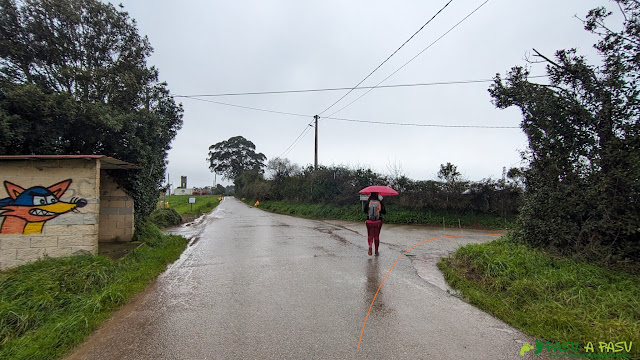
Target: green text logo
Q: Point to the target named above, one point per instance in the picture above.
(572, 349)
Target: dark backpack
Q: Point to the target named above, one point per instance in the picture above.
(374, 210)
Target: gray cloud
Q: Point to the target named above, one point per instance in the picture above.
(207, 47)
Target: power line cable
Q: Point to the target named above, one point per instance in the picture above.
(423, 125)
(295, 142)
(387, 59)
(453, 82)
(249, 107)
(264, 110)
(413, 58)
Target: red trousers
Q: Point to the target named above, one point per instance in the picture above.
(373, 232)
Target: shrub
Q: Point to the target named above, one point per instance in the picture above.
(148, 233)
(165, 217)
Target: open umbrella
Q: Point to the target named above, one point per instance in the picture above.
(381, 190)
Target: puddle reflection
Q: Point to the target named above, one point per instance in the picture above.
(373, 282)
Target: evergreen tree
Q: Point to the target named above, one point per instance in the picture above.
(582, 184)
(74, 80)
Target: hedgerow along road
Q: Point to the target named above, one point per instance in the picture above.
(253, 284)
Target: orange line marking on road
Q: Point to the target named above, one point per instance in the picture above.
(394, 264)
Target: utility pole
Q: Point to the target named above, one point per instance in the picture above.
(315, 163)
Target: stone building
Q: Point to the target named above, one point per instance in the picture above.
(60, 205)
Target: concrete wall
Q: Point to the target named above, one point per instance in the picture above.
(72, 231)
(116, 212)
(183, 191)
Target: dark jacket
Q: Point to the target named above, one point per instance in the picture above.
(382, 210)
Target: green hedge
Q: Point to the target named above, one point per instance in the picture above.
(395, 215)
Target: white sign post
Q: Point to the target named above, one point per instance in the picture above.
(192, 201)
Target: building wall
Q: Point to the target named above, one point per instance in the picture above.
(72, 229)
(183, 191)
(116, 212)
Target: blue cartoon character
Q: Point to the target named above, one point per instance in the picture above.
(26, 211)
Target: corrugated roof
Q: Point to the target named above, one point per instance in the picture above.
(106, 162)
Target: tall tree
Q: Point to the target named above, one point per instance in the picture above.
(582, 188)
(453, 185)
(232, 157)
(449, 173)
(74, 80)
(281, 168)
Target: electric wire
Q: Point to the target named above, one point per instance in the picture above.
(295, 142)
(264, 110)
(353, 120)
(453, 82)
(413, 58)
(423, 125)
(249, 107)
(370, 88)
(387, 59)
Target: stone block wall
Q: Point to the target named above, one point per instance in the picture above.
(63, 192)
(116, 212)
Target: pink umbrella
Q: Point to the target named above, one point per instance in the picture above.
(381, 190)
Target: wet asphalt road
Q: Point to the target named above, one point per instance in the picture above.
(256, 285)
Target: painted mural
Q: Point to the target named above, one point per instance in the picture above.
(26, 211)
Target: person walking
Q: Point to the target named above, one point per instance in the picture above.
(374, 208)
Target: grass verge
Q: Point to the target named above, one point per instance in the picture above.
(49, 306)
(204, 204)
(395, 215)
(555, 299)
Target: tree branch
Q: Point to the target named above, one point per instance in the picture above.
(610, 32)
(622, 11)
(547, 59)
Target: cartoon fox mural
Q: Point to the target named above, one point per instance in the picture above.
(26, 211)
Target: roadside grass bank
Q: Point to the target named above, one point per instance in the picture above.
(395, 215)
(555, 299)
(203, 204)
(49, 306)
(180, 203)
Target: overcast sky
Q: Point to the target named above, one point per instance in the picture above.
(213, 47)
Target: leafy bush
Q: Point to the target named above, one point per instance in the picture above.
(584, 144)
(339, 186)
(149, 234)
(166, 217)
(395, 215)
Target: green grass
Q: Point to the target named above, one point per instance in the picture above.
(204, 204)
(49, 306)
(555, 299)
(395, 215)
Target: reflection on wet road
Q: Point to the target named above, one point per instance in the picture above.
(265, 286)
